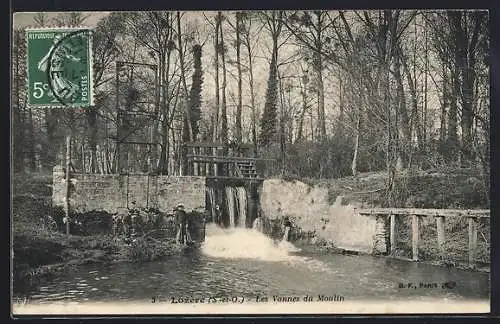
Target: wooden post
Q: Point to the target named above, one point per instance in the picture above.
(68, 166)
(215, 153)
(393, 233)
(440, 233)
(472, 241)
(415, 236)
(194, 165)
(208, 151)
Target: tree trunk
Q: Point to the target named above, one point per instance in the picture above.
(467, 114)
(165, 107)
(303, 94)
(444, 106)
(402, 112)
(252, 95)
(31, 142)
(187, 114)
(53, 141)
(321, 97)
(222, 48)
(92, 122)
(187, 126)
(18, 127)
(217, 86)
(354, 164)
(238, 65)
(269, 117)
(340, 121)
(452, 120)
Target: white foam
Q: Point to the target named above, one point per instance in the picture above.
(243, 243)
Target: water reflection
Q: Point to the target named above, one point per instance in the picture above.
(216, 271)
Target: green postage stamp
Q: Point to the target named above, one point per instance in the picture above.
(59, 63)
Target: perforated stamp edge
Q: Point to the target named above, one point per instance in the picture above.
(90, 62)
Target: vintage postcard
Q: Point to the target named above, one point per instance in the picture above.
(250, 162)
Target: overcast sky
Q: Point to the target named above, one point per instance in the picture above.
(25, 19)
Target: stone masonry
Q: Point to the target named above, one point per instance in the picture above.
(310, 209)
(113, 192)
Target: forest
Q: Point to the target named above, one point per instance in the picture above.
(327, 94)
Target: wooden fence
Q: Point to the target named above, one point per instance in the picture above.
(440, 216)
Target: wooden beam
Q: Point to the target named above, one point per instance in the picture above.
(440, 233)
(215, 158)
(234, 178)
(472, 241)
(205, 144)
(216, 144)
(68, 181)
(478, 213)
(393, 234)
(415, 236)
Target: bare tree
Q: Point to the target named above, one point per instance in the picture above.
(274, 24)
(310, 30)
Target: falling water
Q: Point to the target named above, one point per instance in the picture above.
(230, 206)
(211, 198)
(241, 199)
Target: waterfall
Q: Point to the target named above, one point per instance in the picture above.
(236, 202)
(211, 198)
(230, 206)
(241, 199)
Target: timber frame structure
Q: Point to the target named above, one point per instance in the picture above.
(219, 161)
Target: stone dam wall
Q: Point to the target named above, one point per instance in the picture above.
(310, 210)
(114, 192)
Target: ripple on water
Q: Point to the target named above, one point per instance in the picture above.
(55, 294)
(63, 297)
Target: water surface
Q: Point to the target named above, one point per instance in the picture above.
(245, 263)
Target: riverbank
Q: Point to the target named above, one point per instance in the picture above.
(40, 254)
(41, 249)
(324, 213)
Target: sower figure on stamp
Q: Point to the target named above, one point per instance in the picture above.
(62, 85)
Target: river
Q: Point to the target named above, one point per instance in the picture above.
(244, 263)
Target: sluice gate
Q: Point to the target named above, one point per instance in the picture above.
(233, 178)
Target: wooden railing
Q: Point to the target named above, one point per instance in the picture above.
(439, 215)
(220, 160)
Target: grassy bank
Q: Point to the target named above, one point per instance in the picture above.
(41, 251)
(437, 188)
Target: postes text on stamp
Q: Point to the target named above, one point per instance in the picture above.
(59, 63)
